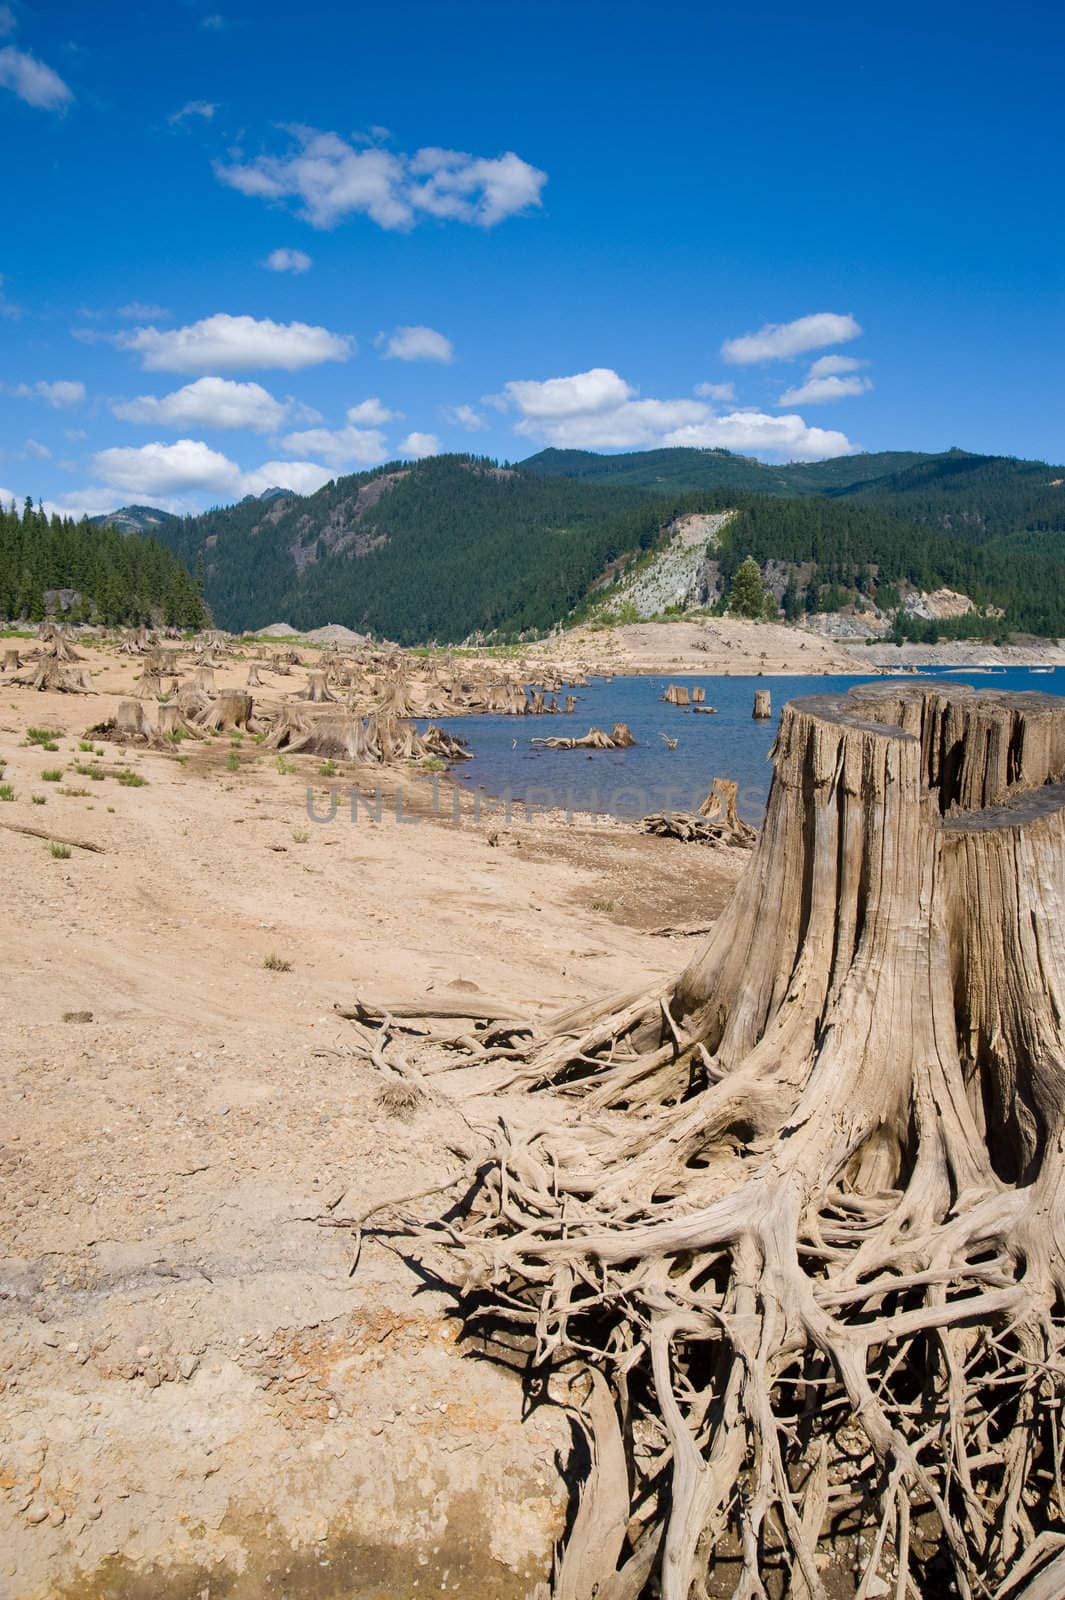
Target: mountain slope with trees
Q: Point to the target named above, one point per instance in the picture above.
(454, 546)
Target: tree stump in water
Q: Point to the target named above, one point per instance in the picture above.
(763, 705)
(801, 1215)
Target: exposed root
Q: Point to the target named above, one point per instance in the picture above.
(798, 1219)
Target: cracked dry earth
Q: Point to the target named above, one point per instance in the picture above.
(199, 1400)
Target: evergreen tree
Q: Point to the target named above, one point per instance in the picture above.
(747, 594)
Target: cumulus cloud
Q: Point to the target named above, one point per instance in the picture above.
(288, 261)
(464, 417)
(816, 391)
(34, 447)
(302, 477)
(61, 395)
(598, 410)
(209, 403)
(341, 447)
(190, 467)
(233, 344)
(193, 108)
(371, 413)
(415, 344)
(333, 179)
(585, 393)
(782, 341)
(786, 438)
(831, 366)
(724, 392)
(417, 446)
(32, 81)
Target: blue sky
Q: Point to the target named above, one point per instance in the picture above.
(268, 243)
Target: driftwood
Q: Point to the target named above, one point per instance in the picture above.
(619, 738)
(802, 1211)
(706, 711)
(54, 838)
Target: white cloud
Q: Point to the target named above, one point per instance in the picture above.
(334, 179)
(831, 366)
(288, 261)
(371, 413)
(781, 341)
(416, 446)
(302, 477)
(597, 410)
(786, 438)
(80, 503)
(415, 344)
(61, 395)
(464, 417)
(235, 344)
(725, 392)
(41, 452)
(209, 403)
(32, 81)
(157, 469)
(140, 311)
(194, 108)
(341, 447)
(599, 389)
(816, 391)
(190, 467)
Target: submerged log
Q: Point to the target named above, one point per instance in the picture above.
(801, 1213)
(619, 738)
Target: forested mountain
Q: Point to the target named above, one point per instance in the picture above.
(435, 550)
(114, 577)
(456, 545)
(687, 469)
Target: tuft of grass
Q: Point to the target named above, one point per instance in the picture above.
(434, 764)
(6, 792)
(602, 905)
(73, 793)
(300, 836)
(275, 963)
(61, 852)
(232, 762)
(328, 769)
(43, 736)
(130, 780)
(284, 765)
(85, 746)
(52, 775)
(39, 799)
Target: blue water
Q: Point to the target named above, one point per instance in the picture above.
(650, 777)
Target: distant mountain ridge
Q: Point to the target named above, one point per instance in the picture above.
(459, 546)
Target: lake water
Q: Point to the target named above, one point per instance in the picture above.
(650, 777)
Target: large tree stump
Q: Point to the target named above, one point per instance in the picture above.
(763, 705)
(802, 1213)
(233, 709)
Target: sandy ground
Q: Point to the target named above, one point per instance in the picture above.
(198, 1397)
(726, 646)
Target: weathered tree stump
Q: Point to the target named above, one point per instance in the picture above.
(12, 661)
(317, 690)
(676, 694)
(763, 705)
(233, 709)
(801, 1215)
